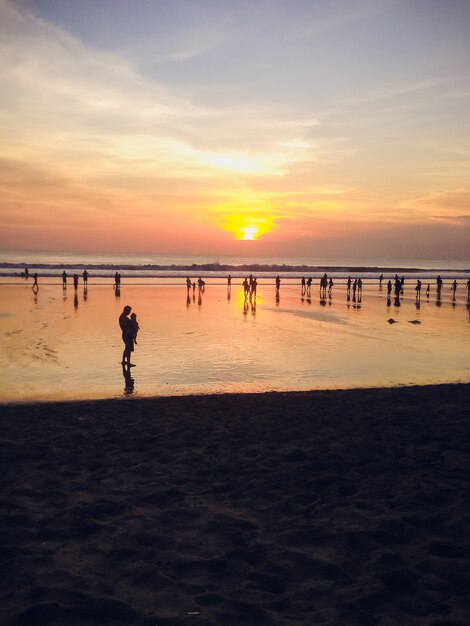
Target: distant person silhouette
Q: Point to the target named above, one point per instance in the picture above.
(75, 281)
(278, 283)
(26, 272)
(85, 277)
(397, 285)
(35, 284)
(330, 287)
(381, 277)
(64, 278)
(354, 288)
(454, 289)
(302, 286)
(229, 281)
(428, 290)
(309, 286)
(116, 280)
(389, 287)
(359, 289)
(418, 289)
(439, 284)
(127, 335)
(348, 287)
(188, 283)
(254, 286)
(323, 285)
(201, 284)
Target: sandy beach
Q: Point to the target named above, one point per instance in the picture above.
(335, 507)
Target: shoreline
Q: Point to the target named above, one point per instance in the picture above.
(331, 507)
(229, 396)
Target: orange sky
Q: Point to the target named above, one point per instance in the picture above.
(196, 137)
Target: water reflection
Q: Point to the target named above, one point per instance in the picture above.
(129, 382)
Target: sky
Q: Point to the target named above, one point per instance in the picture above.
(336, 128)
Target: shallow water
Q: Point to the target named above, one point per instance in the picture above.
(54, 346)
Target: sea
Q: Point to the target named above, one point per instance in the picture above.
(47, 263)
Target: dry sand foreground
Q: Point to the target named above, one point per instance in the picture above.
(330, 508)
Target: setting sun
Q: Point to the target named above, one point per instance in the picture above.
(250, 233)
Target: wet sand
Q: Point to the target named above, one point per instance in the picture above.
(334, 507)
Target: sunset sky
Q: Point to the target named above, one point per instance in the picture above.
(260, 128)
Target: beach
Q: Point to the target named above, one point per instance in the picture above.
(328, 507)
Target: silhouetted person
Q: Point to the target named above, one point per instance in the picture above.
(359, 289)
(64, 278)
(201, 284)
(188, 284)
(302, 286)
(85, 277)
(26, 272)
(402, 280)
(254, 286)
(323, 285)
(454, 289)
(116, 280)
(389, 287)
(330, 288)
(418, 290)
(278, 283)
(397, 285)
(439, 285)
(348, 287)
(75, 281)
(381, 277)
(229, 281)
(428, 291)
(309, 286)
(354, 289)
(35, 284)
(127, 335)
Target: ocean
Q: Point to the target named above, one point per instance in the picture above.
(48, 264)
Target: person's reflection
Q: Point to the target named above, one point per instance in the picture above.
(438, 298)
(253, 306)
(85, 293)
(199, 297)
(389, 300)
(75, 301)
(117, 291)
(129, 382)
(245, 306)
(188, 299)
(229, 292)
(278, 298)
(397, 300)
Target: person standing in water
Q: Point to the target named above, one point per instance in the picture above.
(75, 281)
(64, 278)
(85, 277)
(128, 336)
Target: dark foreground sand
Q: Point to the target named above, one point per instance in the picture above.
(293, 508)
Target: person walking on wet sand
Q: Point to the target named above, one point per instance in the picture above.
(439, 285)
(418, 289)
(75, 281)
(127, 336)
(389, 287)
(188, 284)
(381, 277)
(302, 286)
(348, 287)
(330, 288)
(85, 277)
(454, 289)
(278, 283)
(35, 283)
(64, 278)
(229, 281)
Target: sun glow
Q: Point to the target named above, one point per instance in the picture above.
(249, 233)
(248, 228)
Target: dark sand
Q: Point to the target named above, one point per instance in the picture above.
(291, 508)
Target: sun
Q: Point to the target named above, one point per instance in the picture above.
(249, 233)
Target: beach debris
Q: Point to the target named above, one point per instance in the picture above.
(414, 322)
(392, 321)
